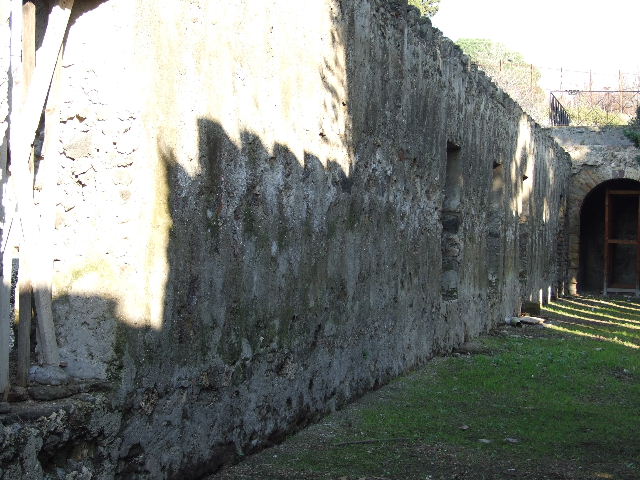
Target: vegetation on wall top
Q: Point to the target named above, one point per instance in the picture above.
(509, 70)
(428, 8)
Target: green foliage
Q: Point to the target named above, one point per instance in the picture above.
(633, 135)
(594, 116)
(539, 400)
(487, 52)
(633, 129)
(428, 8)
(509, 70)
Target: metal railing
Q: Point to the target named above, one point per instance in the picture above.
(593, 107)
(558, 116)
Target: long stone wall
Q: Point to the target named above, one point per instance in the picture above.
(263, 214)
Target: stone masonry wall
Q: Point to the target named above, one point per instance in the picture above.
(257, 222)
(598, 154)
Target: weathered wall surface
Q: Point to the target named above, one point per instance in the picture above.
(257, 221)
(4, 74)
(5, 37)
(598, 154)
(100, 220)
(66, 439)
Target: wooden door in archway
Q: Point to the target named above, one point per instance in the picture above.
(622, 242)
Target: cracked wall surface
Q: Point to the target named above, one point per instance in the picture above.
(250, 223)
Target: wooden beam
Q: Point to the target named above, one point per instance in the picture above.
(605, 270)
(623, 242)
(614, 289)
(24, 281)
(9, 202)
(624, 192)
(23, 336)
(27, 125)
(5, 282)
(42, 277)
(5, 318)
(638, 249)
(37, 94)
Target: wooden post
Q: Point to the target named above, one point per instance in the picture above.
(638, 249)
(620, 94)
(24, 280)
(605, 270)
(5, 318)
(16, 95)
(27, 126)
(51, 45)
(43, 276)
(5, 282)
(561, 75)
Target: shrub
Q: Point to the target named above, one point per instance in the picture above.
(633, 129)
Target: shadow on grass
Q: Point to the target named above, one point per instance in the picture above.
(614, 321)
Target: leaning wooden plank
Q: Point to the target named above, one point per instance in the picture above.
(23, 340)
(24, 280)
(16, 63)
(5, 308)
(5, 282)
(37, 93)
(9, 202)
(15, 111)
(16, 100)
(5, 327)
(28, 123)
(43, 275)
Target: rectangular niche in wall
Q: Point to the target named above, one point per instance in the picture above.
(451, 241)
(622, 241)
(453, 181)
(495, 237)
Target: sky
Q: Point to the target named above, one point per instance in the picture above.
(576, 35)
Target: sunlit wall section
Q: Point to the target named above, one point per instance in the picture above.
(99, 199)
(268, 208)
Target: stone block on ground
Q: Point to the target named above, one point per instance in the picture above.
(532, 320)
(472, 348)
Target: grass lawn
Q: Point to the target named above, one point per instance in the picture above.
(559, 402)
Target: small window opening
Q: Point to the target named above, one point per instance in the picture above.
(453, 181)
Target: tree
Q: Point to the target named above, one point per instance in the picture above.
(509, 70)
(428, 8)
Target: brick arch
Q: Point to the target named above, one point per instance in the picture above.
(582, 183)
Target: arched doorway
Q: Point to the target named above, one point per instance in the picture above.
(610, 238)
